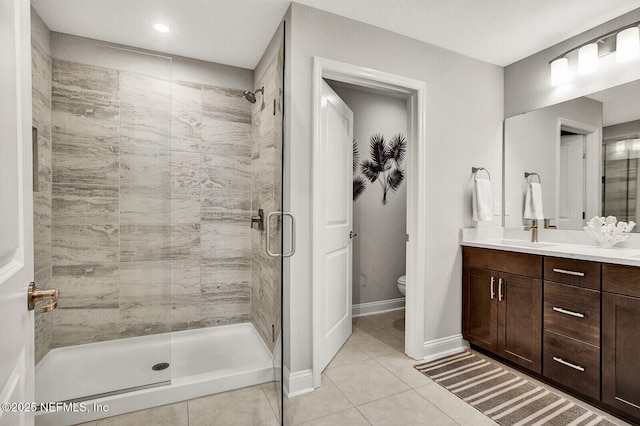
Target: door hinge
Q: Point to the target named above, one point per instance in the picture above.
(584, 215)
(273, 333)
(407, 237)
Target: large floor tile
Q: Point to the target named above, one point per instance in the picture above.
(167, 415)
(393, 319)
(365, 381)
(320, 403)
(407, 408)
(350, 417)
(376, 343)
(402, 367)
(347, 354)
(453, 406)
(248, 406)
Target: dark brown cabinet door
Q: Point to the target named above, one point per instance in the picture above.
(621, 352)
(480, 307)
(520, 320)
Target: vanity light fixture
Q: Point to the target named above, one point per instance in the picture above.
(636, 145)
(624, 41)
(621, 146)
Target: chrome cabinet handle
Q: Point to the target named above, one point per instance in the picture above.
(500, 296)
(493, 289)
(292, 238)
(34, 296)
(564, 271)
(564, 311)
(568, 364)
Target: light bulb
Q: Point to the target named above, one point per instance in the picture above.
(161, 28)
(621, 146)
(588, 58)
(559, 71)
(627, 44)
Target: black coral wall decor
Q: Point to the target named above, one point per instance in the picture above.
(385, 164)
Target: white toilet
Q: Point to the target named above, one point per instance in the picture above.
(402, 285)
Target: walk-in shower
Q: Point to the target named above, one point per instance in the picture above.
(148, 174)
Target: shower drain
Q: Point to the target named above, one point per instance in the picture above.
(160, 366)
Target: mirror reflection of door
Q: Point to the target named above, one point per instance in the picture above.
(571, 207)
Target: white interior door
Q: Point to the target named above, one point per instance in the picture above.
(336, 141)
(16, 206)
(571, 203)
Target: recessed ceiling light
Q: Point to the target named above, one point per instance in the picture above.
(161, 28)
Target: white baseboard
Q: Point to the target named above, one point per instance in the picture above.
(298, 383)
(382, 306)
(439, 348)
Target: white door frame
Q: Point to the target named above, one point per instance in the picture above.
(415, 91)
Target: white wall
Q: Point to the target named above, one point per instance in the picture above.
(464, 129)
(379, 254)
(527, 83)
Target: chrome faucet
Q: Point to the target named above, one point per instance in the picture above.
(534, 230)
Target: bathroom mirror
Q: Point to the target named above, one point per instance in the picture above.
(585, 152)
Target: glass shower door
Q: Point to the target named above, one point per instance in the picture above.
(102, 217)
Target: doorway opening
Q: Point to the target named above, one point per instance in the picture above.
(578, 195)
(379, 224)
(414, 92)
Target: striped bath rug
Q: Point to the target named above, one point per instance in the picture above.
(507, 399)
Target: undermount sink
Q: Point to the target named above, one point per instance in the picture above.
(524, 243)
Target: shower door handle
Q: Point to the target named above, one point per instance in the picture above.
(292, 238)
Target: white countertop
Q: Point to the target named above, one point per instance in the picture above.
(557, 243)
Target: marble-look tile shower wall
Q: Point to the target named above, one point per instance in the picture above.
(151, 200)
(41, 95)
(266, 177)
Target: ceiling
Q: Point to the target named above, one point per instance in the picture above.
(236, 32)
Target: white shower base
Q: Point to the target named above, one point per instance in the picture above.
(202, 362)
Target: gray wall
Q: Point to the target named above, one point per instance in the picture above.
(628, 129)
(527, 83)
(379, 254)
(464, 128)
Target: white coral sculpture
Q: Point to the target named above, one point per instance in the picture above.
(608, 231)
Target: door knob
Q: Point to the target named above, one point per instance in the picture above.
(34, 296)
(352, 235)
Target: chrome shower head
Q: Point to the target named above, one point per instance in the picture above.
(251, 96)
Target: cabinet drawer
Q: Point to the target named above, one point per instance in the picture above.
(621, 279)
(572, 363)
(569, 271)
(529, 265)
(572, 311)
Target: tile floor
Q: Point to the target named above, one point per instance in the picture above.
(369, 382)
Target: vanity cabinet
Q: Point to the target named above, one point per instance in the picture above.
(621, 338)
(502, 304)
(575, 322)
(571, 338)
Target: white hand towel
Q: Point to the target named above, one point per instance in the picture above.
(533, 202)
(482, 200)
